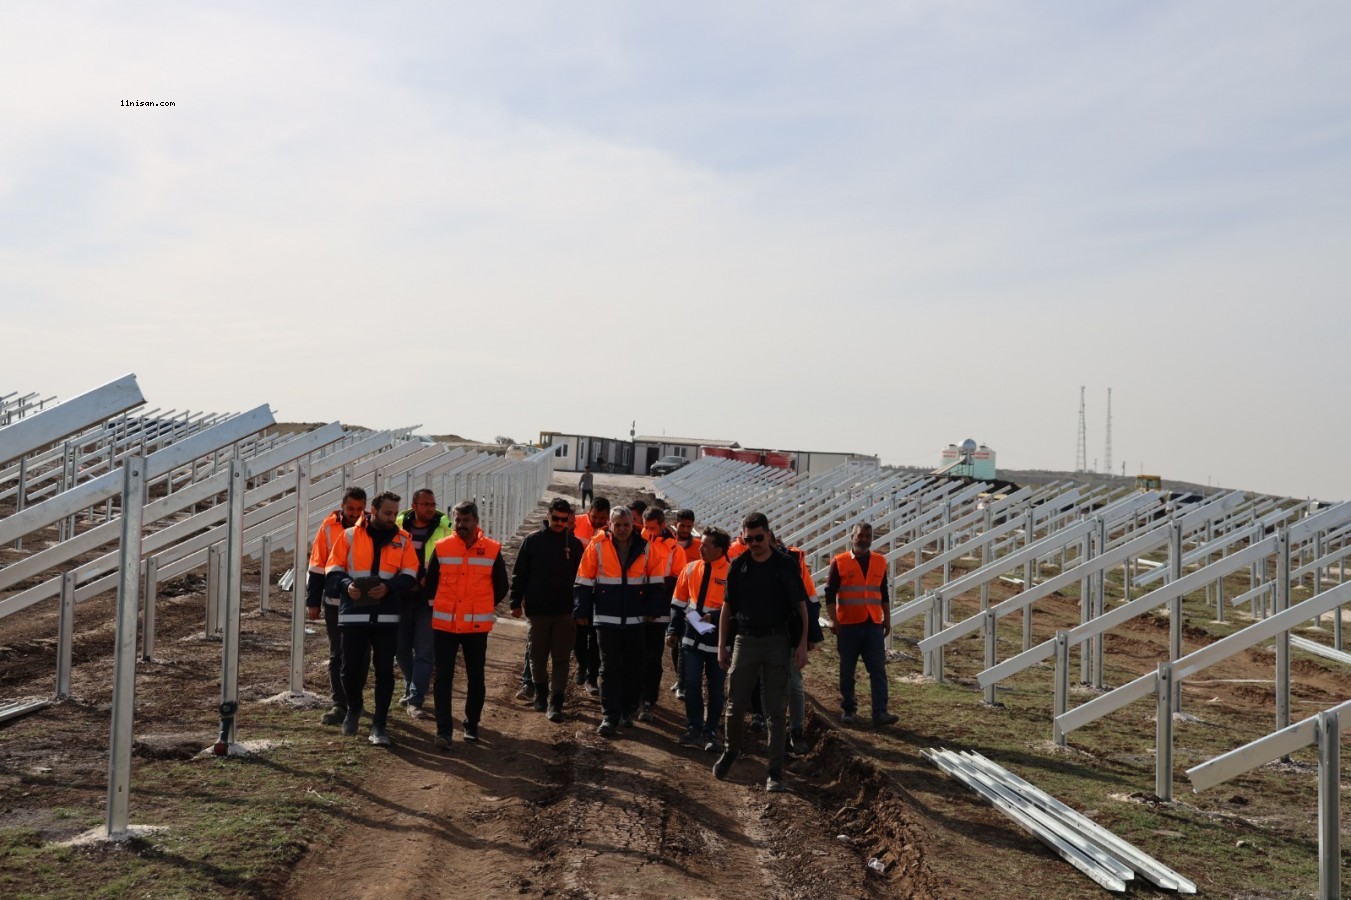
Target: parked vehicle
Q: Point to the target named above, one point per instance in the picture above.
(666, 465)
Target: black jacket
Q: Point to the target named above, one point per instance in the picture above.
(789, 572)
(544, 572)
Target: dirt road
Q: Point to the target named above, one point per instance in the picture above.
(555, 810)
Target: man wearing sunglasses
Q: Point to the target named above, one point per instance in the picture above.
(541, 582)
(766, 605)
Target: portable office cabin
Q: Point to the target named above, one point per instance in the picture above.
(573, 452)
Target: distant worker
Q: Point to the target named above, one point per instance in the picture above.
(542, 581)
(426, 525)
(695, 607)
(670, 561)
(611, 594)
(586, 648)
(767, 608)
(858, 607)
(467, 578)
(372, 569)
(690, 544)
(585, 484)
(352, 511)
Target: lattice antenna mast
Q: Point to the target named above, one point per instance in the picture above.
(1081, 445)
(1107, 453)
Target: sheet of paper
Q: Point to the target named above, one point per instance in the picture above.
(697, 621)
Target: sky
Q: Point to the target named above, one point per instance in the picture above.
(876, 227)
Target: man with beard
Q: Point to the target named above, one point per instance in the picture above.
(766, 605)
(541, 583)
(352, 510)
(426, 525)
(611, 594)
(371, 570)
(466, 578)
(670, 563)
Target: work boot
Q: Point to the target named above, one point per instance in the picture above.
(541, 697)
(555, 711)
(724, 764)
(351, 721)
(774, 784)
(334, 716)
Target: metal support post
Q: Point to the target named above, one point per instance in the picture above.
(20, 497)
(1062, 685)
(265, 574)
(1099, 604)
(299, 571)
(1282, 603)
(212, 590)
(151, 589)
(1163, 736)
(1085, 608)
(234, 572)
(124, 665)
(1175, 609)
(1318, 572)
(65, 641)
(991, 623)
(1329, 805)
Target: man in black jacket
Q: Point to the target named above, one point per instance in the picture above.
(766, 604)
(542, 581)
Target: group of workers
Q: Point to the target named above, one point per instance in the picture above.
(614, 588)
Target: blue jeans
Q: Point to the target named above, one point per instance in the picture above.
(697, 663)
(416, 650)
(865, 640)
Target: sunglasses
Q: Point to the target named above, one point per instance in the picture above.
(754, 538)
(561, 520)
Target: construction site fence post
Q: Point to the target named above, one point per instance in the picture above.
(1329, 805)
(299, 571)
(151, 589)
(265, 574)
(1062, 685)
(124, 662)
(233, 571)
(1163, 743)
(65, 641)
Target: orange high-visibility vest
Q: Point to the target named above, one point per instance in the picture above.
(464, 598)
(860, 597)
(324, 539)
(354, 553)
